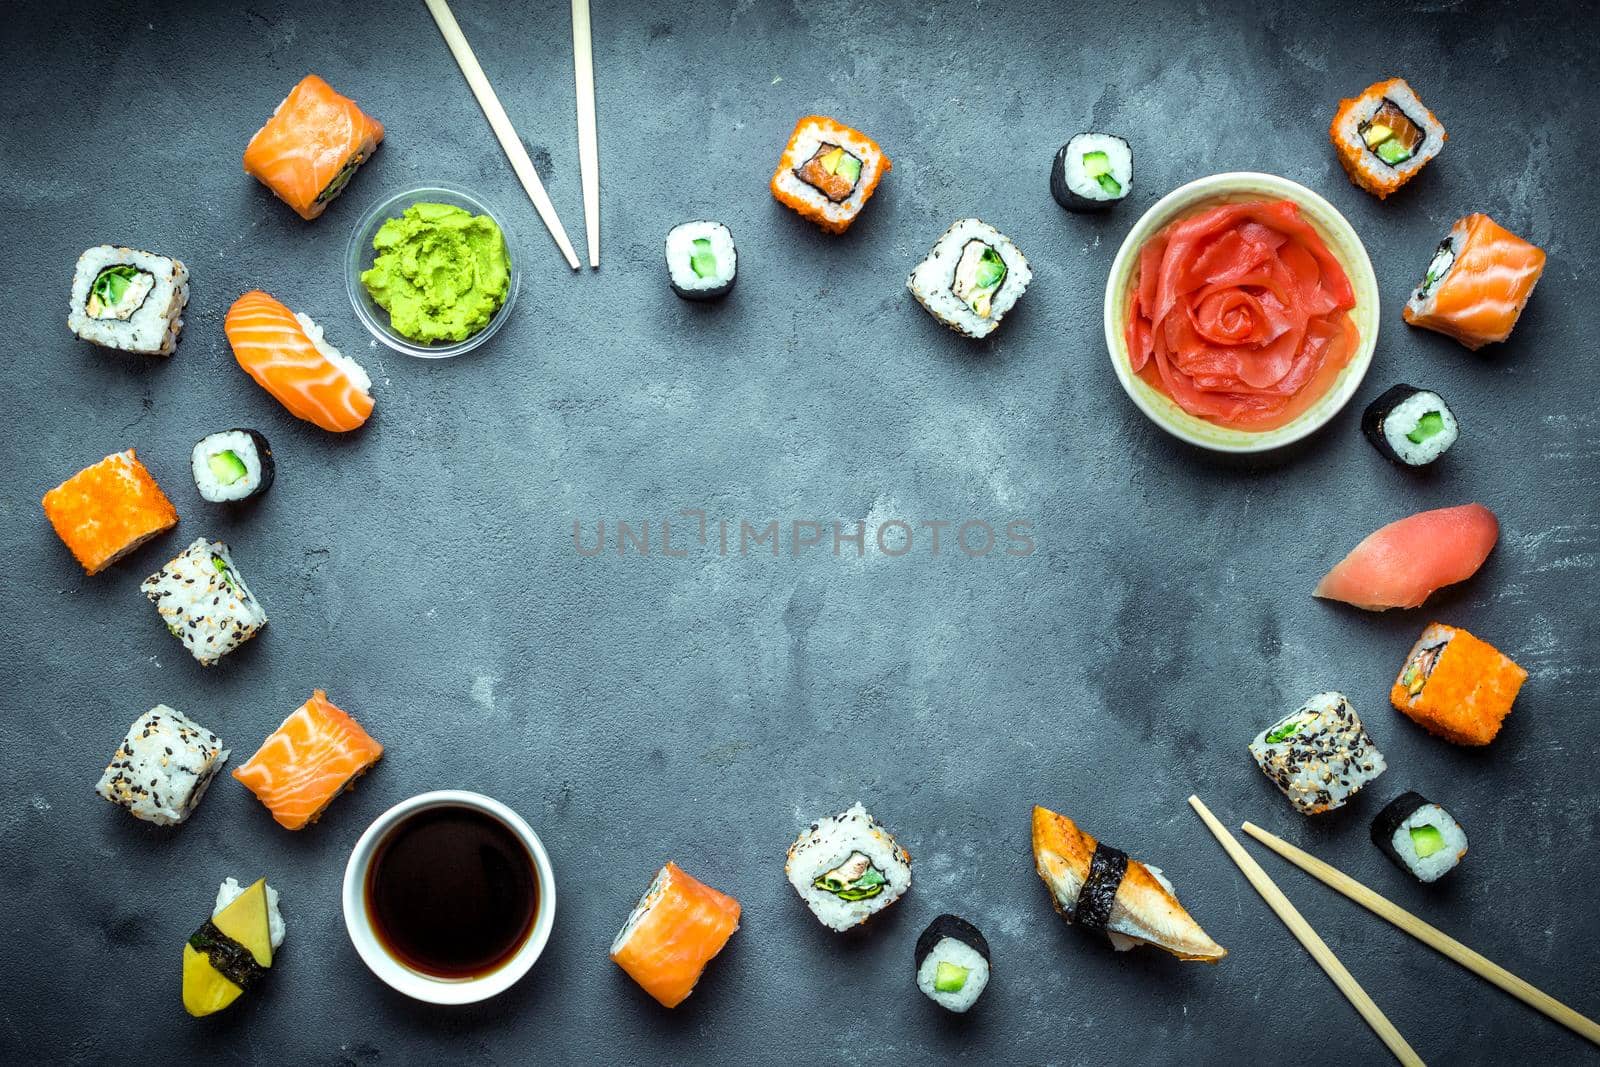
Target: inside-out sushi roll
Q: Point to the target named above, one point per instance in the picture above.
(1476, 284)
(311, 147)
(1410, 426)
(828, 172)
(847, 868)
(1421, 838)
(163, 766)
(674, 931)
(952, 960)
(1456, 685)
(108, 510)
(971, 278)
(128, 300)
(1091, 172)
(232, 465)
(701, 260)
(202, 598)
(1319, 755)
(1385, 136)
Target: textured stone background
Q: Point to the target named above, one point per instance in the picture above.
(703, 709)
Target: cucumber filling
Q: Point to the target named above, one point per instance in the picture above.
(117, 292)
(1443, 259)
(702, 260)
(1097, 165)
(1287, 729)
(1430, 425)
(949, 977)
(854, 879)
(979, 274)
(226, 466)
(1426, 840)
(342, 179)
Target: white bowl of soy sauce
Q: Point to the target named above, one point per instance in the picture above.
(449, 897)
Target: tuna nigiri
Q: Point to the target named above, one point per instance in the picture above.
(1100, 888)
(676, 928)
(313, 757)
(285, 353)
(1401, 564)
(311, 146)
(1477, 283)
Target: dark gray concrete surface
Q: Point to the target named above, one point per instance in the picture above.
(704, 708)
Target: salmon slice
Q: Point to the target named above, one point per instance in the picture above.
(313, 757)
(1480, 299)
(107, 510)
(1144, 909)
(286, 355)
(1401, 564)
(311, 146)
(677, 927)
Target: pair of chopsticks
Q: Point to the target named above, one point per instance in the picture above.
(588, 144)
(1387, 909)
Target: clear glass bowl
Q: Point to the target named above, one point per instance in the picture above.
(359, 256)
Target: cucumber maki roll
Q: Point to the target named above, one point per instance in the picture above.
(1092, 172)
(232, 465)
(702, 263)
(952, 960)
(1410, 426)
(1420, 837)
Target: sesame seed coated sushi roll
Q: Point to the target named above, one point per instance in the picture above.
(128, 300)
(1457, 686)
(971, 278)
(847, 868)
(702, 263)
(1320, 755)
(162, 768)
(232, 465)
(1385, 136)
(202, 598)
(1421, 838)
(107, 510)
(828, 172)
(1092, 172)
(1410, 426)
(952, 961)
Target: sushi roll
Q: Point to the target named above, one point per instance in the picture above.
(128, 300)
(1476, 284)
(233, 950)
(1457, 686)
(202, 598)
(1092, 172)
(107, 510)
(952, 960)
(675, 930)
(286, 354)
(163, 766)
(1410, 426)
(1421, 837)
(828, 172)
(701, 260)
(232, 465)
(1320, 755)
(1385, 136)
(971, 278)
(317, 753)
(847, 868)
(312, 146)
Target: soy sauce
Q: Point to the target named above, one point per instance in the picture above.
(451, 892)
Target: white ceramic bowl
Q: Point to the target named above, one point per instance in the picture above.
(359, 255)
(358, 923)
(1342, 242)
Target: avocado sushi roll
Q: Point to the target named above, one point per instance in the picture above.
(232, 465)
(973, 275)
(1421, 838)
(1092, 172)
(952, 961)
(1409, 426)
(702, 262)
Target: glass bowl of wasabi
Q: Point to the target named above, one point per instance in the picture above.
(430, 271)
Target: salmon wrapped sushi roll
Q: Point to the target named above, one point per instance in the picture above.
(284, 351)
(316, 754)
(1385, 136)
(1476, 284)
(677, 927)
(107, 510)
(1457, 686)
(828, 172)
(312, 146)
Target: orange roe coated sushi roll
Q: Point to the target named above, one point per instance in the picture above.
(316, 754)
(1478, 295)
(1457, 686)
(311, 146)
(1385, 136)
(828, 172)
(105, 511)
(677, 927)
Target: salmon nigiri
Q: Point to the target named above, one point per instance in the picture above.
(313, 757)
(1099, 888)
(1401, 564)
(311, 146)
(677, 927)
(1477, 283)
(285, 353)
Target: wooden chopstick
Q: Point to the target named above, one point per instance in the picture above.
(1428, 935)
(1308, 937)
(588, 144)
(503, 130)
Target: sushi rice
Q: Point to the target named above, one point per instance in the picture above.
(952, 958)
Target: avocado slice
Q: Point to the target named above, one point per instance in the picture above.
(1393, 152)
(226, 466)
(1426, 840)
(849, 168)
(949, 977)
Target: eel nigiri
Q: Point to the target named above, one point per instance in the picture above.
(1099, 888)
(1399, 565)
(313, 757)
(311, 146)
(285, 353)
(1477, 283)
(676, 928)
